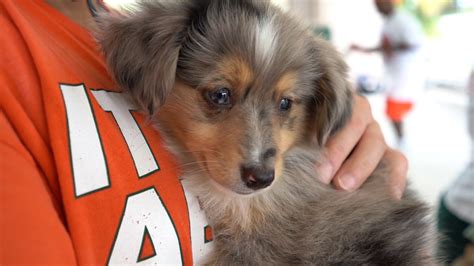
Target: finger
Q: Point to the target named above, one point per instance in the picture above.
(397, 164)
(339, 146)
(363, 160)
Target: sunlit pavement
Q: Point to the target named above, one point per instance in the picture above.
(437, 144)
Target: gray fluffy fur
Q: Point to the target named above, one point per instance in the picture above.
(298, 220)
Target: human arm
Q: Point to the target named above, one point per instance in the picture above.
(32, 223)
(359, 48)
(385, 47)
(32, 229)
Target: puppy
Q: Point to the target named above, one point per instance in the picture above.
(245, 98)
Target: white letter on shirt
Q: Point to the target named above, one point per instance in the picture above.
(120, 107)
(146, 211)
(87, 155)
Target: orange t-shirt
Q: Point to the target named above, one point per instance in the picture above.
(84, 178)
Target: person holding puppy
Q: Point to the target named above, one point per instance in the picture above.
(85, 178)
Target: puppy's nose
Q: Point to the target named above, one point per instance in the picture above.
(257, 177)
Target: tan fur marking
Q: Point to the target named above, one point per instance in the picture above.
(288, 137)
(182, 114)
(237, 72)
(278, 166)
(285, 83)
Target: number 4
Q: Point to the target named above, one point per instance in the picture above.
(145, 213)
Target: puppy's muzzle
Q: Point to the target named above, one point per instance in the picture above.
(256, 177)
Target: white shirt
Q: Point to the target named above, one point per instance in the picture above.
(405, 75)
(460, 195)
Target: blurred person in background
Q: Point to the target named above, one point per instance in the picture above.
(58, 103)
(401, 45)
(456, 209)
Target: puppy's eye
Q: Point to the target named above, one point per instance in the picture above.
(220, 97)
(285, 104)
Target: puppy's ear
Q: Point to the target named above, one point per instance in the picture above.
(142, 51)
(332, 105)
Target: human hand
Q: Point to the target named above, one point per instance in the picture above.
(355, 151)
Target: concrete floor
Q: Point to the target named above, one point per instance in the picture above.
(437, 142)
